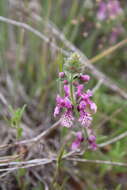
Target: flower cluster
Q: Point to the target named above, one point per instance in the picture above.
(76, 104)
(109, 10)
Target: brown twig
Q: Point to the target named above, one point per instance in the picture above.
(39, 162)
(113, 140)
(98, 162)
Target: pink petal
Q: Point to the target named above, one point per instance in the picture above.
(61, 74)
(56, 111)
(75, 145)
(66, 90)
(93, 107)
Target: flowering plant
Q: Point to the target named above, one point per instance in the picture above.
(76, 104)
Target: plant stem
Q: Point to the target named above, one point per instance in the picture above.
(71, 90)
(58, 162)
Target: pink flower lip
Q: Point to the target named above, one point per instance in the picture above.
(67, 119)
(79, 136)
(92, 138)
(87, 95)
(75, 145)
(102, 12)
(68, 104)
(85, 119)
(93, 146)
(93, 107)
(79, 90)
(79, 139)
(82, 105)
(56, 111)
(63, 102)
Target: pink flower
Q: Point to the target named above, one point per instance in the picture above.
(79, 139)
(61, 75)
(82, 105)
(93, 107)
(62, 103)
(75, 83)
(93, 145)
(56, 111)
(79, 136)
(109, 10)
(86, 98)
(65, 82)
(59, 100)
(66, 90)
(91, 138)
(67, 119)
(114, 9)
(79, 90)
(68, 103)
(92, 142)
(85, 78)
(85, 119)
(87, 95)
(102, 12)
(75, 145)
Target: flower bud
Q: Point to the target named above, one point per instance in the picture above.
(72, 64)
(61, 75)
(75, 83)
(85, 78)
(65, 82)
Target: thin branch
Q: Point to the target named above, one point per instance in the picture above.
(113, 140)
(23, 165)
(97, 86)
(98, 161)
(39, 162)
(6, 159)
(5, 174)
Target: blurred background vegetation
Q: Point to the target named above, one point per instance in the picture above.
(28, 73)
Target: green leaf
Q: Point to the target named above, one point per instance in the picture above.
(21, 172)
(59, 158)
(19, 132)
